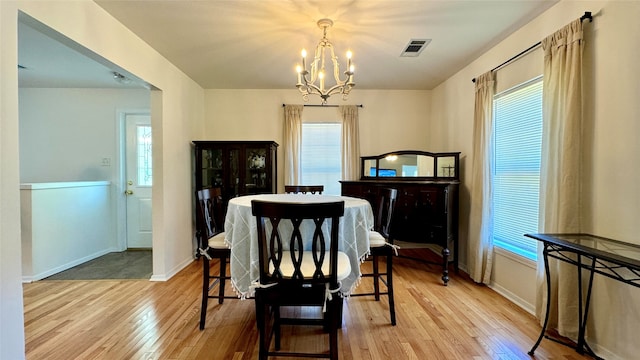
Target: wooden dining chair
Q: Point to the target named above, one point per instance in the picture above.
(211, 246)
(291, 275)
(380, 245)
(303, 189)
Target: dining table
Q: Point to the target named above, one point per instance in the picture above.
(242, 236)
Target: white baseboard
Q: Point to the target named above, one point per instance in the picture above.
(172, 272)
(604, 352)
(530, 308)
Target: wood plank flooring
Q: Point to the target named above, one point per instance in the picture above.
(139, 319)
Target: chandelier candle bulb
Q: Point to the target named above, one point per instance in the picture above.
(304, 55)
(299, 70)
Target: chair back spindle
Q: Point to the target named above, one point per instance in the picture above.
(386, 204)
(272, 218)
(304, 189)
(209, 209)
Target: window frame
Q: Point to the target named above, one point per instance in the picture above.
(519, 245)
(328, 188)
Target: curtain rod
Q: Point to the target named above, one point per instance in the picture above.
(309, 105)
(587, 15)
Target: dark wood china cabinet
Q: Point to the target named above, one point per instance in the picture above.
(237, 167)
(427, 205)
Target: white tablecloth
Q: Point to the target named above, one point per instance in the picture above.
(242, 236)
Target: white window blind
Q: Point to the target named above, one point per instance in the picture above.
(321, 160)
(516, 182)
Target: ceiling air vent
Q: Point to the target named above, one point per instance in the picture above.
(415, 47)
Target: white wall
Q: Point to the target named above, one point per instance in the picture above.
(612, 192)
(611, 201)
(64, 224)
(176, 114)
(65, 133)
(11, 305)
(389, 119)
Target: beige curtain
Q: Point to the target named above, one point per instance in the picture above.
(292, 143)
(350, 142)
(481, 223)
(560, 188)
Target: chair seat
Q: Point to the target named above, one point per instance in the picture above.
(376, 239)
(217, 242)
(308, 267)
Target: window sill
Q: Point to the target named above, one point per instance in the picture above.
(515, 257)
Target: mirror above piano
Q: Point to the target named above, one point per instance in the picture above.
(411, 164)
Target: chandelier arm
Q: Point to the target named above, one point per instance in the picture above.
(339, 83)
(309, 88)
(313, 89)
(342, 89)
(336, 65)
(308, 81)
(314, 69)
(333, 89)
(336, 68)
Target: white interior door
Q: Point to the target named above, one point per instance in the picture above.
(138, 179)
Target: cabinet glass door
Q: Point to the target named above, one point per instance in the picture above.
(256, 170)
(234, 173)
(211, 168)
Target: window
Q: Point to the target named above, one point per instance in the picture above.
(410, 170)
(516, 181)
(144, 166)
(321, 160)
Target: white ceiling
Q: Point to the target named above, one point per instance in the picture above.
(54, 61)
(255, 44)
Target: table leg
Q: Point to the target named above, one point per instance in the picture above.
(580, 344)
(340, 308)
(445, 266)
(583, 312)
(583, 322)
(546, 316)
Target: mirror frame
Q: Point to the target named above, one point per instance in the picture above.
(435, 156)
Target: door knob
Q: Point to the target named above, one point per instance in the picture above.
(128, 192)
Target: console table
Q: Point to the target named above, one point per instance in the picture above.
(612, 258)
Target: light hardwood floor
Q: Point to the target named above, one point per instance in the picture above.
(139, 319)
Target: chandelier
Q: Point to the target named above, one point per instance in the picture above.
(307, 79)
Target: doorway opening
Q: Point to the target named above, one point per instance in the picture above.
(68, 133)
